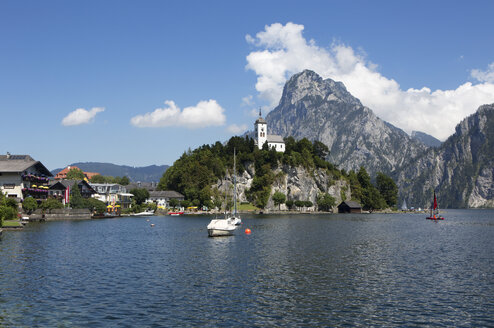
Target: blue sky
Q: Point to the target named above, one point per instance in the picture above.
(139, 82)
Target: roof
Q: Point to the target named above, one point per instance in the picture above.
(260, 120)
(351, 204)
(165, 194)
(20, 163)
(275, 138)
(69, 183)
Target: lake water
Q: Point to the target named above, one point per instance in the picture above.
(298, 270)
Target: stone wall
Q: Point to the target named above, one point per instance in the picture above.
(61, 214)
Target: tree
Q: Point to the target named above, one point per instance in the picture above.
(50, 203)
(75, 174)
(140, 195)
(76, 200)
(320, 149)
(95, 205)
(29, 205)
(289, 204)
(279, 198)
(98, 178)
(173, 202)
(299, 203)
(325, 202)
(388, 189)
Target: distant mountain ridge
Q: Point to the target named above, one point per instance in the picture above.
(426, 139)
(152, 173)
(461, 170)
(324, 110)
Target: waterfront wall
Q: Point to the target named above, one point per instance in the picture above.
(61, 214)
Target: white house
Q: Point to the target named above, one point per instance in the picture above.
(22, 176)
(262, 136)
(112, 193)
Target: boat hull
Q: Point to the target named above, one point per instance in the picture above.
(434, 218)
(219, 232)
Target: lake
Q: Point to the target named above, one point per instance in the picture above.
(292, 270)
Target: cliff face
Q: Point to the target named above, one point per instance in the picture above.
(461, 170)
(324, 110)
(295, 182)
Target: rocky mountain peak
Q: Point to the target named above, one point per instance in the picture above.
(310, 84)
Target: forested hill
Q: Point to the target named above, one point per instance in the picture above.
(150, 173)
(205, 175)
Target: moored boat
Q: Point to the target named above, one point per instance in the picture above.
(175, 213)
(434, 215)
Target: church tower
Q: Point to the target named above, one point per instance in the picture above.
(261, 130)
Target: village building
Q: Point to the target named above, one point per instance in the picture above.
(21, 176)
(61, 188)
(113, 194)
(262, 136)
(349, 206)
(63, 174)
(163, 197)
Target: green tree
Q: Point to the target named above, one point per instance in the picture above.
(279, 198)
(387, 188)
(325, 202)
(50, 203)
(75, 174)
(29, 205)
(95, 205)
(98, 178)
(185, 203)
(299, 203)
(173, 203)
(140, 195)
(289, 204)
(122, 180)
(320, 149)
(76, 200)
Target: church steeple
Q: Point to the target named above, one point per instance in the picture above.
(261, 129)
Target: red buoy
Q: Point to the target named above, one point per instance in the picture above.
(247, 231)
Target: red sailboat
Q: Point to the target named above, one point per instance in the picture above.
(434, 211)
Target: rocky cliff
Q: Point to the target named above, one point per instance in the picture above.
(461, 170)
(295, 182)
(324, 110)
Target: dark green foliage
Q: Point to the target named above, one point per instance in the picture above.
(29, 205)
(325, 202)
(109, 179)
(388, 189)
(174, 203)
(95, 205)
(289, 204)
(51, 203)
(76, 200)
(299, 203)
(364, 191)
(140, 195)
(75, 174)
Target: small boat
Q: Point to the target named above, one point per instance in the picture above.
(175, 213)
(145, 213)
(434, 210)
(221, 227)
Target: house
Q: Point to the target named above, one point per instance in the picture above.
(58, 188)
(162, 197)
(22, 176)
(112, 194)
(349, 207)
(262, 136)
(63, 174)
(149, 186)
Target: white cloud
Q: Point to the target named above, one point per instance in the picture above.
(284, 51)
(484, 76)
(248, 100)
(237, 129)
(204, 114)
(81, 116)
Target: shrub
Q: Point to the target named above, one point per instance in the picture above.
(29, 205)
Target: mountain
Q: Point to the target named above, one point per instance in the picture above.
(324, 110)
(150, 173)
(461, 170)
(426, 139)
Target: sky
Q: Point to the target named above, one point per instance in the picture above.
(139, 82)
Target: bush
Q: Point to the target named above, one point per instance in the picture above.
(50, 203)
(8, 213)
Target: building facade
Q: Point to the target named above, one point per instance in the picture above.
(262, 136)
(21, 176)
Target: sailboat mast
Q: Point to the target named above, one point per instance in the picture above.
(234, 184)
